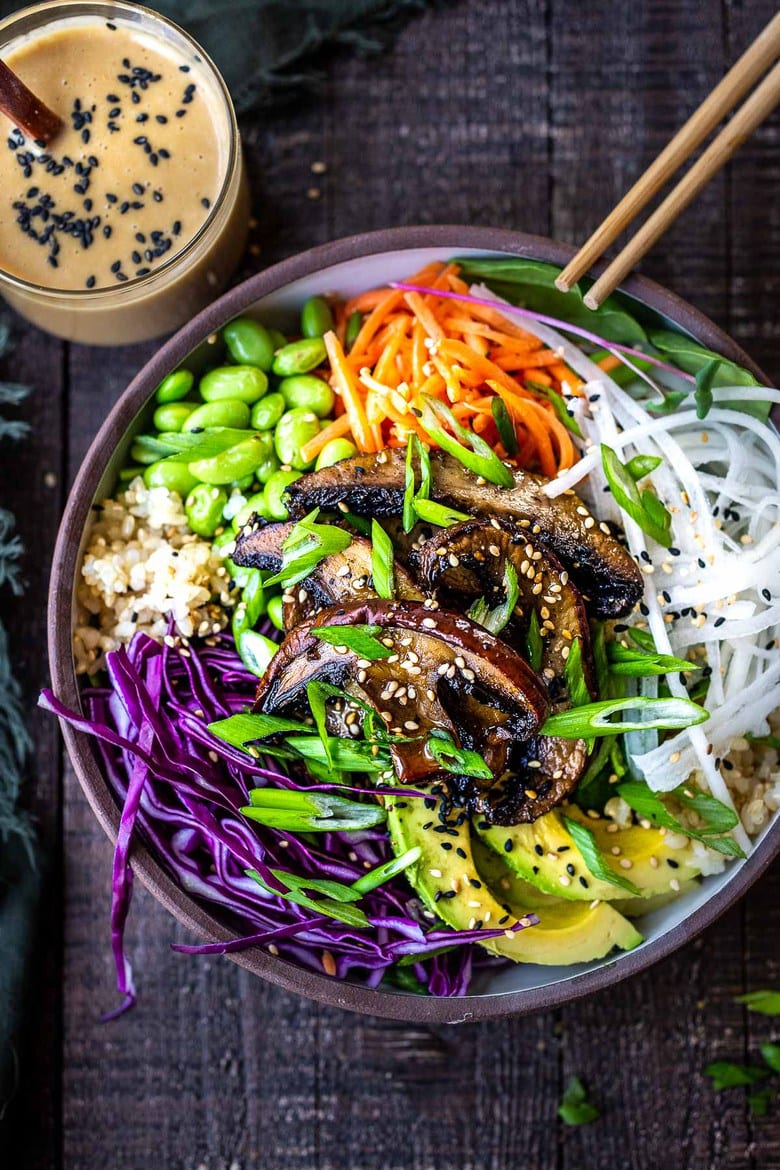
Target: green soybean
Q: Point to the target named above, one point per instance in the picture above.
(306, 391)
(140, 454)
(268, 468)
(175, 387)
(242, 459)
(127, 474)
(267, 412)
(354, 325)
(275, 607)
(294, 429)
(334, 452)
(275, 489)
(225, 412)
(245, 382)
(176, 477)
(245, 483)
(299, 357)
(203, 508)
(249, 343)
(278, 338)
(255, 503)
(171, 416)
(316, 317)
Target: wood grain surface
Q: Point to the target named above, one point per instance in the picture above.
(536, 115)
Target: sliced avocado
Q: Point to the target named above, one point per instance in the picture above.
(545, 854)
(448, 882)
(637, 907)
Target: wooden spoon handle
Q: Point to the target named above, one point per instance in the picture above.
(25, 110)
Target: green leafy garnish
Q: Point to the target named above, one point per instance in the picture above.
(338, 907)
(361, 640)
(455, 759)
(691, 357)
(307, 545)
(642, 465)
(190, 446)
(575, 1108)
(575, 678)
(495, 619)
(637, 663)
(533, 643)
(439, 514)
(594, 859)
(382, 573)
(727, 1075)
(771, 1055)
(766, 1002)
(645, 509)
(771, 741)
(481, 459)
(310, 812)
(671, 400)
(240, 730)
(560, 409)
(593, 719)
(705, 380)
(504, 426)
(717, 817)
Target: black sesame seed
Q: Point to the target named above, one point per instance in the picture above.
(107, 231)
(90, 282)
(157, 196)
(446, 846)
(205, 202)
(718, 622)
(477, 885)
(161, 118)
(461, 852)
(176, 229)
(509, 845)
(116, 265)
(673, 864)
(437, 895)
(180, 113)
(584, 883)
(767, 596)
(538, 850)
(570, 870)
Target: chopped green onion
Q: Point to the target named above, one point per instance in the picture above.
(494, 620)
(240, 730)
(481, 459)
(597, 864)
(593, 719)
(579, 694)
(424, 490)
(642, 465)
(408, 516)
(504, 426)
(316, 693)
(347, 755)
(360, 639)
(643, 639)
(310, 812)
(640, 664)
(359, 523)
(383, 873)
(354, 325)
(559, 406)
(439, 514)
(382, 561)
(329, 907)
(533, 643)
(452, 758)
(256, 651)
(671, 400)
(652, 518)
(705, 380)
(307, 545)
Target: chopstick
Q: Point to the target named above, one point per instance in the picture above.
(25, 110)
(764, 51)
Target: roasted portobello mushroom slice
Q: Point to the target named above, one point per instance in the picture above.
(343, 576)
(441, 664)
(373, 485)
(469, 559)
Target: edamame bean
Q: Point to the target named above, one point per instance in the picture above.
(235, 463)
(268, 468)
(275, 489)
(244, 484)
(249, 343)
(299, 357)
(128, 474)
(334, 452)
(278, 338)
(245, 382)
(176, 477)
(175, 387)
(316, 317)
(225, 412)
(140, 454)
(354, 325)
(267, 412)
(203, 508)
(171, 416)
(309, 392)
(255, 503)
(275, 606)
(294, 429)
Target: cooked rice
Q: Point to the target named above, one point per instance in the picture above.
(143, 569)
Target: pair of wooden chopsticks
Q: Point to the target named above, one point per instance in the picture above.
(763, 53)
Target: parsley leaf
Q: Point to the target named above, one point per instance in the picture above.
(575, 1108)
(705, 379)
(727, 1075)
(766, 1002)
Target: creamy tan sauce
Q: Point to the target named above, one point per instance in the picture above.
(130, 180)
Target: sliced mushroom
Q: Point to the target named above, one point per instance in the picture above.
(374, 485)
(343, 576)
(441, 665)
(470, 559)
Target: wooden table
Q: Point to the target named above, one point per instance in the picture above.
(533, 115)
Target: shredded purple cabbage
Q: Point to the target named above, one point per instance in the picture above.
(181, 788)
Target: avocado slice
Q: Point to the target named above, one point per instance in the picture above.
(448, 882)
(545, 854)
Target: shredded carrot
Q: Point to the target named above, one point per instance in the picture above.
(346, 385)
(609, 362)
(335, 430)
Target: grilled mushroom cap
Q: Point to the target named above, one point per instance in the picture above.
(442, 665)
(343, 576)
(374, 485)
(470, 559)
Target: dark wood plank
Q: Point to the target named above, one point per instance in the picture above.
(33, 484)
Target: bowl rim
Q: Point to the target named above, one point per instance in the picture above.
(320, 987)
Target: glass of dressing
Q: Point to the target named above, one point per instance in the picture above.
(134, 217)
